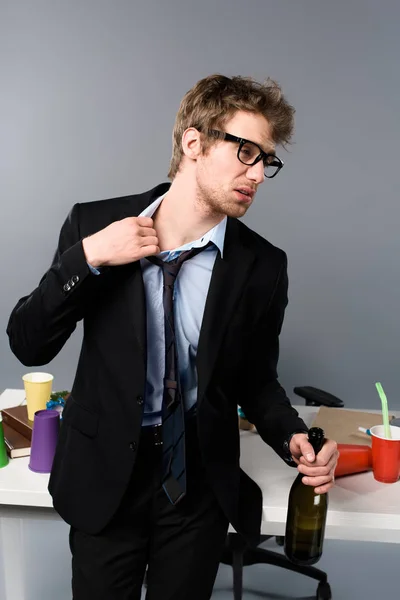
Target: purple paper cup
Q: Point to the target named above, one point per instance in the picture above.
(46, 425)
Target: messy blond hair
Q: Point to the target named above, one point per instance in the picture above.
(216, 98)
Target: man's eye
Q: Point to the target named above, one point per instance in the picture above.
(249, 152)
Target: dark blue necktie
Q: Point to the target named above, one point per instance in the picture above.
(173, 410)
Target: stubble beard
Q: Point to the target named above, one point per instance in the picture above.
(215, 203)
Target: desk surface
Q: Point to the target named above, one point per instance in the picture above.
(360, 508)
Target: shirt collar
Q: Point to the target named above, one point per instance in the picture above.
(216, 235)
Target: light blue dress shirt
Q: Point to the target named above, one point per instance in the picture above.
(190, 293)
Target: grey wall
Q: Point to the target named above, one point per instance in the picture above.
(89, 88)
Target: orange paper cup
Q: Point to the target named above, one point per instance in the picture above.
(385, 454)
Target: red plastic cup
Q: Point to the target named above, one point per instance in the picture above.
(353, 458)
(385, 454)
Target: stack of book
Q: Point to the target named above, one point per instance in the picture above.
(17, 431)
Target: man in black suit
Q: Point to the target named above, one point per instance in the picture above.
(147, 470)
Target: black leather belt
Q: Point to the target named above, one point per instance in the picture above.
(153, 434)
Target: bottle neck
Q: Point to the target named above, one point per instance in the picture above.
(317, 444)
(316, 437)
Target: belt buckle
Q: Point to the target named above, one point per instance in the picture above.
(158, 435)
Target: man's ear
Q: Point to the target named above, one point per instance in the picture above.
(191, 143)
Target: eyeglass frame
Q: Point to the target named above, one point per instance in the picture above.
(242, 141)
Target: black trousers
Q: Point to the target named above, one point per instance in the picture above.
(180, 545)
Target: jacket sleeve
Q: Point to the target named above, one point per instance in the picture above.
(264, 401)
(42, 322)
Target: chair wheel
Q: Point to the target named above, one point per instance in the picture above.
(280, 540)
(324, 591)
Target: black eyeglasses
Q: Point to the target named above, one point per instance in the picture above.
(250, 153)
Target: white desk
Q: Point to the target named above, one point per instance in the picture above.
(360, 508)
(34, 540)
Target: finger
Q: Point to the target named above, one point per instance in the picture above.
(313, 471)
(323, 489)
(318, 469)
(333, 461)
(328, 449)
(307, 450)
(318, 481)
(149, 241)
(145, 231)
(321, 460)
(149, 251)
(144, 221)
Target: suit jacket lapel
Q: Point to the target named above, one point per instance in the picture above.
(137, 307)
(226, 286)
(132, 274)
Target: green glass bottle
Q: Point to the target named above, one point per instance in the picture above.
(306, 516)
(3, 450)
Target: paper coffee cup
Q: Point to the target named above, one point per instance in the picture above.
(38, 388)
(44, 440)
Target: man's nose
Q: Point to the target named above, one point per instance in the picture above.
(256, 172)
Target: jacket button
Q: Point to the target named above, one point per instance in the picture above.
(139, 400)
(66, 287)
(133, 446)
(75, 279)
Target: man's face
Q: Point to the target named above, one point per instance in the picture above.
(224, 184)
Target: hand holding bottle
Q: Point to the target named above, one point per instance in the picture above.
(318, 470)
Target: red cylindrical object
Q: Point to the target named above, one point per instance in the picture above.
(353, 458)
(385, 454)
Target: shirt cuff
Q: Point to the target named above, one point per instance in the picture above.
(94, 270)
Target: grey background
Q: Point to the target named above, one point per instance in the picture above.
(89, 89)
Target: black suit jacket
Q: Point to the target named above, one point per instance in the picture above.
(236, 363)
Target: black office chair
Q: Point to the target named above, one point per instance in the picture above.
(238, 555)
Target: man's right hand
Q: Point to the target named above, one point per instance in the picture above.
(121, 243)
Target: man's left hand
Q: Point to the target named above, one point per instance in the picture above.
(320, 469)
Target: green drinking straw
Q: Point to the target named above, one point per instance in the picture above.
(385, 413)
